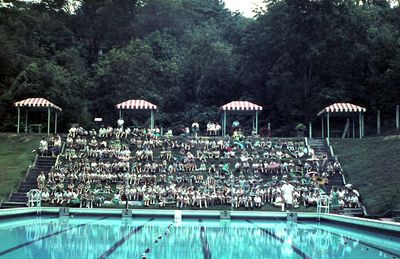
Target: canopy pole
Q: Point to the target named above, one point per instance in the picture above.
(151, 119)
(397, 117)
(120, 113)
(19, 117)
(354, 128)
(224, 124)
(257, 122)
(378, 122)
(360, 124)
(26, 121)
(55, 124)
(363, 125)
(253, 120)
(322, 128)
(310, 129)
(221, 118)
(48, 121)
(327, 125)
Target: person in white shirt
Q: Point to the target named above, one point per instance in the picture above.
(287, 194)
(120, 124)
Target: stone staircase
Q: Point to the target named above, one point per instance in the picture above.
(19, 198)
(321, 147)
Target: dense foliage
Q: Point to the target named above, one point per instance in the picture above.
(191, 56)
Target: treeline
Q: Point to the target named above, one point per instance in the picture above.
(191, 56)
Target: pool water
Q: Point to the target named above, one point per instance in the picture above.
(112, 237)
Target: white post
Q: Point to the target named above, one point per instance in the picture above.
(120, 112)
(55, 124)
(224, 124)
(378, 122)
(257, 122)
(26, 121)
(310, 129)
(327, 125)
(19, 117)
(360, 124)
(152, 119)
(363, 125)
(397, 117)
(354, 128)
(254, 123)
(322, 128)
(48, 121)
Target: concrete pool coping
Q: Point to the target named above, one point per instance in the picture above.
(358, 222)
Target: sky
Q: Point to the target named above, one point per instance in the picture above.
(243, 6)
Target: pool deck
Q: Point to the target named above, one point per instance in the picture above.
(355, 221)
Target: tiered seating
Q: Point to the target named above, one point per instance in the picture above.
(112, 165)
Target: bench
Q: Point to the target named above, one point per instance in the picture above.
(31, 128)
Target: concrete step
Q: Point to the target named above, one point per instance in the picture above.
(9, 204)
(353, 211)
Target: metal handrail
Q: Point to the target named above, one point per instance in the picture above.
(59, 154)
(26, 175)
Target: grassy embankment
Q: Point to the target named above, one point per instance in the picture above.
(15, 157)
(372, 165)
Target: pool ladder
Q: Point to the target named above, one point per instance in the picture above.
(323, 204)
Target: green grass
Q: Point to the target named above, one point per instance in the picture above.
(15, 158)
(372, 165)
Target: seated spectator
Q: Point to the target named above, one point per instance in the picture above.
(43, 147)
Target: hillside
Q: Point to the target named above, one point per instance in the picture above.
(372, 165)
(15, 157)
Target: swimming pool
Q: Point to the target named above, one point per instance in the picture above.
(50, 236)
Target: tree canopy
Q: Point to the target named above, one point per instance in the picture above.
(191, 56)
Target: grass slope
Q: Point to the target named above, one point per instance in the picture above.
(15, 157)
(372, 165)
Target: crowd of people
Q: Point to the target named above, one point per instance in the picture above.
(120, 165)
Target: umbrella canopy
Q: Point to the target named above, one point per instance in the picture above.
(136, 105)
(342, 107)
(241, 106)
(37, 103)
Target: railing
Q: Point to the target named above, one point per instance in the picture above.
(323, 202)
(29, 168)
(59, 154)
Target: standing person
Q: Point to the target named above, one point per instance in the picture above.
(124, 197)
(287, 194)
(120, 123)
(195, 128)
(334, 199)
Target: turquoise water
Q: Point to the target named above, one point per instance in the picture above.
(106, 237)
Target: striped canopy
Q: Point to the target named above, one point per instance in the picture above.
(342, 107)
(37, 103)
(241, 106)
(136, 105)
